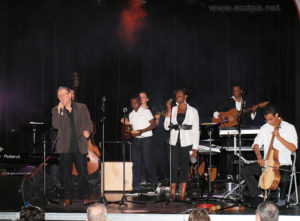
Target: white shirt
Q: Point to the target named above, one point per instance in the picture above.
(187, 137)
(238, 106)
(287, 131)
(140, 120)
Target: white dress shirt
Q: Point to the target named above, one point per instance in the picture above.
(187, 137)
(238, 106)
(287, 131)
(140, 120)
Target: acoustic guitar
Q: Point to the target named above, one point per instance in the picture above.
(128, 131)
(232, 116)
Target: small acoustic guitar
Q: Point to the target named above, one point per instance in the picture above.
(128, 131)
(232, 116)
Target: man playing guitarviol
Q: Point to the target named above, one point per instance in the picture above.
(285, 142)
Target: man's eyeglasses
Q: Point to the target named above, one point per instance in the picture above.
(61, 95)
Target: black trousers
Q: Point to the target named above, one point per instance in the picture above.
(142, 154)
(180, 163)
(80, 162)
(252, 171)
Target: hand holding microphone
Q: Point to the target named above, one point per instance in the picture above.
(60, 108)
(169, 106)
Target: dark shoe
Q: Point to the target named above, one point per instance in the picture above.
(67, 202)
(87, 202)
(152, 189)
(134, 191)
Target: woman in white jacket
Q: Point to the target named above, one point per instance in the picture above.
(184, 137)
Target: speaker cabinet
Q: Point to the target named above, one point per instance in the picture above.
(114, 176)
(15, 191)
(10, 191)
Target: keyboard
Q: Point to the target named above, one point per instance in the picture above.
(228, 131)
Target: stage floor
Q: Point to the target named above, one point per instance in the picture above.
(145, 207)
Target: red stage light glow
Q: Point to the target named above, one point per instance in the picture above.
(132, 20)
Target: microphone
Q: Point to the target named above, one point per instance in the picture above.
(103, 103)
(60, 109)
(125, 110)
(173, 101)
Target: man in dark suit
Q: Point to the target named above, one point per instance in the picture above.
(72, 120)
(235, 102)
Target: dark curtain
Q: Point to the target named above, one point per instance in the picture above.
(179, 45)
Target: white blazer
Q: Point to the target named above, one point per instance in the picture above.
(187, 137)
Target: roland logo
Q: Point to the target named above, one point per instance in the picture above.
(11, 156)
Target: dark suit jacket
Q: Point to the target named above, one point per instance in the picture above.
(82, 122)
(230, 104)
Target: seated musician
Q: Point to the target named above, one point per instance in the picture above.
(285, 142)
(235, 102)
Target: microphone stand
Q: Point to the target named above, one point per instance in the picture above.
(124, 199)
(102, 121)
(240, 147)
(239, 201)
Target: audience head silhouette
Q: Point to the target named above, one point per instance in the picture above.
(97, 212)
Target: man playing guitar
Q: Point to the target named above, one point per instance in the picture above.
(142, 123)
(235, 102)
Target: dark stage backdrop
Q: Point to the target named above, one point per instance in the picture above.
(119, 49)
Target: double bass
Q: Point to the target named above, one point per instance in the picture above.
(93, 155)
(270, 177)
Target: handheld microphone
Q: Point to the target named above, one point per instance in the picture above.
(173, 101)
(60, 109)
(103, 103)
(125, 110)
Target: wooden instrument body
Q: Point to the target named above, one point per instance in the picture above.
(126, 130)
(232, 116)
(194, 171)
(213, 171)
(93, 155)
(270, 177)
